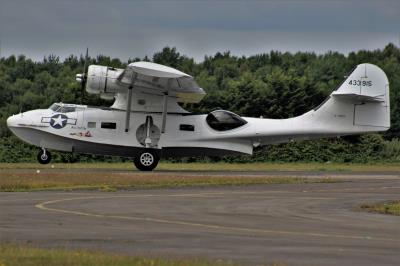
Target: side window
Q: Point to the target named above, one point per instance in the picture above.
(141, 101)
(109, 125)
(91, 124)
(186, 127)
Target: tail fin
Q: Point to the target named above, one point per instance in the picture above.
(360, 104)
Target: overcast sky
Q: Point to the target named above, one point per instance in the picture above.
(128, 29)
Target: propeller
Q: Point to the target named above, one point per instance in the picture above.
(82, 77)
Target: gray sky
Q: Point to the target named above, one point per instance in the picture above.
(128, 29)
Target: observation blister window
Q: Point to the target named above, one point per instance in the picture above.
(221, 120)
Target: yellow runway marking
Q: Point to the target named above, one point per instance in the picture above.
(43, 206)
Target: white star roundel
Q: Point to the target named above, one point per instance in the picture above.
(58, 121)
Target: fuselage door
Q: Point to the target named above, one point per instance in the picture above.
(80, 117)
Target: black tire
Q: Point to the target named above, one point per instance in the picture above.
(146, 160)
(44, 158)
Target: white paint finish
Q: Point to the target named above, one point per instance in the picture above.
(153, 103)
(339, 115)
(145, 78)
(364, 116)
(156, 70)
(365, 72)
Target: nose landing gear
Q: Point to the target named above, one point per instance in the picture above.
(43, 157)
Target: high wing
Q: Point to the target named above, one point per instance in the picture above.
(157, 79)
(159, 88)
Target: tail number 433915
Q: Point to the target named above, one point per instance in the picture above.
(355, 82)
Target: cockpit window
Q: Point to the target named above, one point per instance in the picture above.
(67, 109)
(223, 120)
(55, 107)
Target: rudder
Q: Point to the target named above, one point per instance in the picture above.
(363, 99)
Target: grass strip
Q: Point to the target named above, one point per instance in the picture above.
(21, 255)
(389, 207)
(112, 181)
(217, 166)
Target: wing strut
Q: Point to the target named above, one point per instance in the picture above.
(128, 106)
(164, 114)
(165, 106)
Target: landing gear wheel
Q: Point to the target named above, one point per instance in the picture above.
(146, 160)
(43, 157)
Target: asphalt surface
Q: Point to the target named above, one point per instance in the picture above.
(307, 224)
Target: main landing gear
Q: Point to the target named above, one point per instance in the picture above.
(146, 160)
(44, 157)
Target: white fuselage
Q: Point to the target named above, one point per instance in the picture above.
(102, 131)
(88, 131)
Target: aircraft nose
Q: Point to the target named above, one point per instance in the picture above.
(11, 121)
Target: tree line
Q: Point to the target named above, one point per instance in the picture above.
(272, 85)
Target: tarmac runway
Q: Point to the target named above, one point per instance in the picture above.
(296, 224)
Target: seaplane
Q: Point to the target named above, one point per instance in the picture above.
(146, 122)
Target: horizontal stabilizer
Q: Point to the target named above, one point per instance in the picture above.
(359, 97)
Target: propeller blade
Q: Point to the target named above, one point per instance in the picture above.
(84, 74)
(86, 61)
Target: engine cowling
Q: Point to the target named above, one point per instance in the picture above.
(103, 80)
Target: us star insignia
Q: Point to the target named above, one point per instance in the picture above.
(58, 121)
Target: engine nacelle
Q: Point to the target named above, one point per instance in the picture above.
(103, 80)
